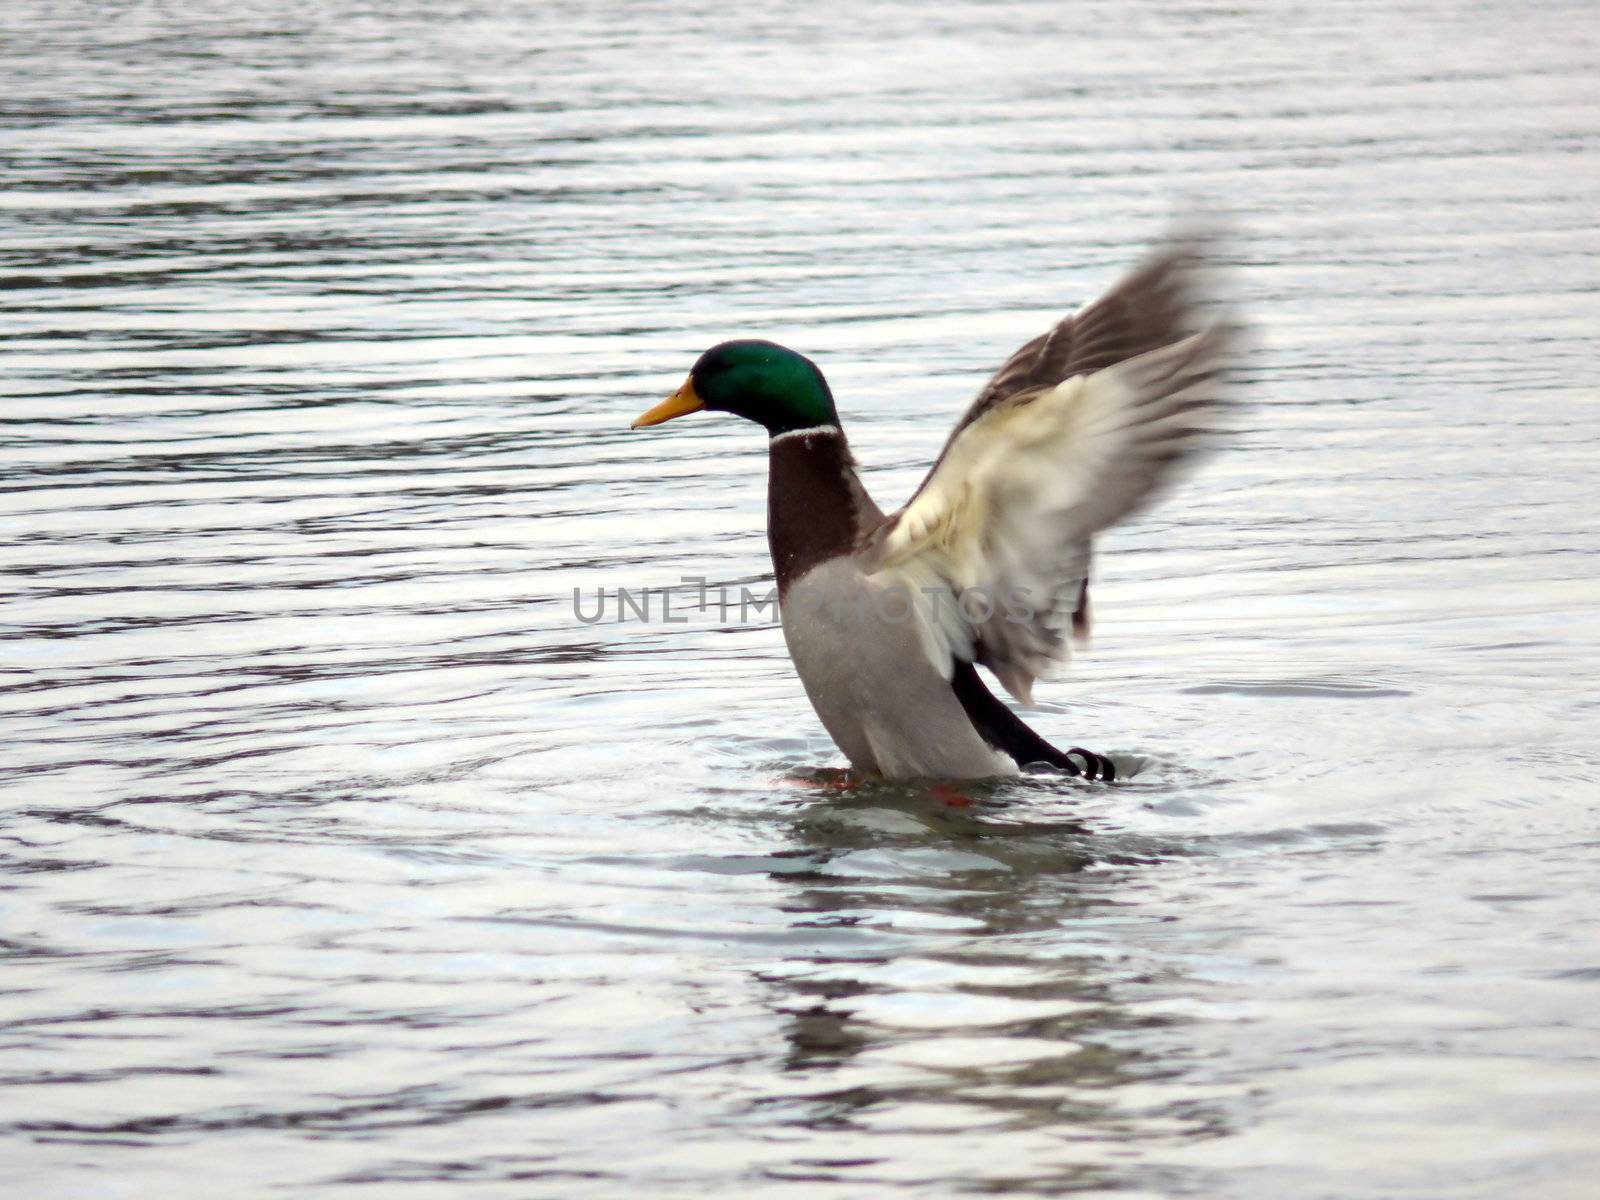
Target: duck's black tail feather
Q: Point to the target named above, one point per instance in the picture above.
(1006, 732)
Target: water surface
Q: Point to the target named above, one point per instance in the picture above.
(337, 851)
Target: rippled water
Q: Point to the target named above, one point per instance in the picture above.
(337, 851)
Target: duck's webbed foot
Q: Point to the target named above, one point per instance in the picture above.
(1095, 766)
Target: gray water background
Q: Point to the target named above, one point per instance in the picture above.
(339, 858)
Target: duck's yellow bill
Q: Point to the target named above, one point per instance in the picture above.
(682, 401)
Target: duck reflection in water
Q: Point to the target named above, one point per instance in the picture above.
(955, 981)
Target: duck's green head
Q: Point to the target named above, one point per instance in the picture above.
(760, 381)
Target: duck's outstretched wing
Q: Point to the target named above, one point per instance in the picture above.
(1078, 430)
(1152, 306)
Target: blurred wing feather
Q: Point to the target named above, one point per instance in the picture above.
(1152, 306)
(994, 548)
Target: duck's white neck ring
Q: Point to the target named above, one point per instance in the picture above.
(810, 431)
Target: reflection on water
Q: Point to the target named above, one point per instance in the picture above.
(938, 1005)
(335, 849)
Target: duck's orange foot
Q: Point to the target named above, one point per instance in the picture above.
(951, 796)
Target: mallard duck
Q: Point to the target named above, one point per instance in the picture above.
(888, 617)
